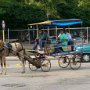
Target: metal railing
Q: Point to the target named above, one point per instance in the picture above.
(28, 35)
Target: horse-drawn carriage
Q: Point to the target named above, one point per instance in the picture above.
(72, 58)
(41, 58)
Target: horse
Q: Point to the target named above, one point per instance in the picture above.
(13, 48)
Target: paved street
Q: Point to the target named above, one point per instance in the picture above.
(56, 79)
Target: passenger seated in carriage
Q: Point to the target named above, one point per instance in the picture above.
(70, 40)
(45, 38)
(42, 39)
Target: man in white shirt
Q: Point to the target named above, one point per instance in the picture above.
(70, 40)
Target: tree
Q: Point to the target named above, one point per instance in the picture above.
(84, 11)
(18, 13)
(19, 16)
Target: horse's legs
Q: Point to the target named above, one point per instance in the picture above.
(23, 65)
(1, 61)
(4, 69)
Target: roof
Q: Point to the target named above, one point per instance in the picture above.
(41, 23)
(60, 23)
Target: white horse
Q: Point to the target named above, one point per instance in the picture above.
(15, 50)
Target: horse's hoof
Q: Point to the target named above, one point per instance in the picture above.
(5, 73)
(0, 73)
(23, 71)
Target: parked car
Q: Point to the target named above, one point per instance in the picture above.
(85, 49)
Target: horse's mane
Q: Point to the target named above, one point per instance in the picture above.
(17, 40)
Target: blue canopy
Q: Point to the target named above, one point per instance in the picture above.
(66, 22)
(59, 23)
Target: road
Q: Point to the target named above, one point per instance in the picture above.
(56, 79)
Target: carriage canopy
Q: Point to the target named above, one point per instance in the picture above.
(59, 23)
(54, 25)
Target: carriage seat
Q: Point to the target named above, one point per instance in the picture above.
(39, 51)
(32, 51)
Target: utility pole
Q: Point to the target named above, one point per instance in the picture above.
(3, 30)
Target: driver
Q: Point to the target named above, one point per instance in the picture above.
(62, 41)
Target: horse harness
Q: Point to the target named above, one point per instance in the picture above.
(3, 46)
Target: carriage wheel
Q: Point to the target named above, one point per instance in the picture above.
(75, 62)
(63, 62)
(32, 67)
(45, 65)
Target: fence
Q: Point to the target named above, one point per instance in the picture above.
(28, 35)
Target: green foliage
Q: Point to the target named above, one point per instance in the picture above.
(18, 13)
(75, 9)
(18, 16)
(83, 11)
